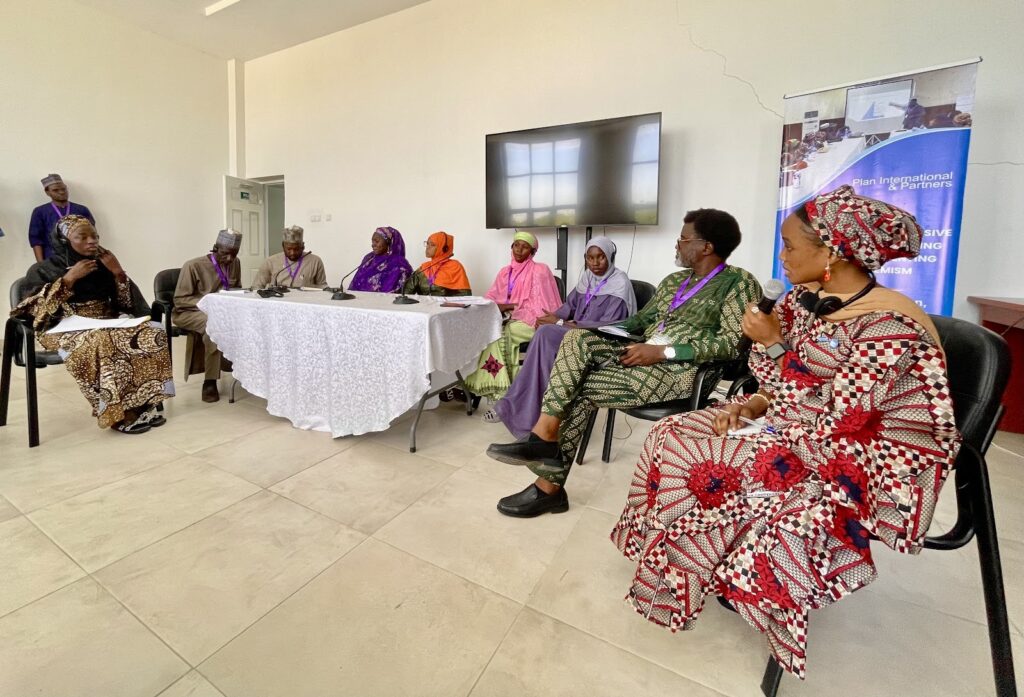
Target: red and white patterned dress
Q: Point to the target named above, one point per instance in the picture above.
(780, 522)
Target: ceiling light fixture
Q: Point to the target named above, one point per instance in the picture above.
(218, 6)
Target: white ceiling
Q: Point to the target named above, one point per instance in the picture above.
(249, 28)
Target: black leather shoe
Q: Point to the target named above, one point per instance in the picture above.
(532, 502)
(210, 393)
(530, 448)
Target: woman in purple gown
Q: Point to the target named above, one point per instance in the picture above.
(385, 268)
(603, 295)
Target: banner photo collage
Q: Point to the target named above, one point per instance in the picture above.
(903, 140)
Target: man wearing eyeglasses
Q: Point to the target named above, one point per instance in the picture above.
(694, 317)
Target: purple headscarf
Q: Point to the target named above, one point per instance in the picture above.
(387, 272)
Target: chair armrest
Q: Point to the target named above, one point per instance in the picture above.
(159, 309)
(968, 469)
(713, 370)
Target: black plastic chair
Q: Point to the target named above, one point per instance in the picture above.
(20, 348)
(163, 304)
(704, 382)
(643, 291)
(978, 365)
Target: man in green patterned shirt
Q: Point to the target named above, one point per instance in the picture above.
(694, 317)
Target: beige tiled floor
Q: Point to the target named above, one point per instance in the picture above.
(229, 555)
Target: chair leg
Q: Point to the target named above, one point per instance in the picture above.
(30, 389)
(585, 441)
(10, 339)
(772, 678)
(234, 382)
(992, 582)
(609, 432)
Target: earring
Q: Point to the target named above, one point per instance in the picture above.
(828, 271)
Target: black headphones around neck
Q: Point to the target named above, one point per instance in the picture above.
(820, 306)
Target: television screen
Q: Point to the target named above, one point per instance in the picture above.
(591, 173)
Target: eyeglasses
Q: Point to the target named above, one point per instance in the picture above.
(691, 239)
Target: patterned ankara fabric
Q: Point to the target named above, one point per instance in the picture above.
(498, 364)
(705, 328)
(780, 523)
(866, 230)
(116, 369)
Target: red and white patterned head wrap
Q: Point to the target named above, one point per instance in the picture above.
(865, 230)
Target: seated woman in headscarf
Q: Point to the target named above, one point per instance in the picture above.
(385, 268)
(124, 372)
(526, 289)
(603, 295)
(440, 274)
(858, 437)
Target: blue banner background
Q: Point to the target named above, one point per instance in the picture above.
(929, 279)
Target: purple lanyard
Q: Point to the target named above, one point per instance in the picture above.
(220, 272)
(57, 210)
(682, 295)
(512, 282)
(436, 271)
(590, 294)
(298, 267)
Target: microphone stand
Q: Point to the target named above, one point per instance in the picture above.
(404, 299)
(277, 287)
(339, 292)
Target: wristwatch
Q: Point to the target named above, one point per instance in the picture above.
(777, 350)
(560, 322)
(670, 353)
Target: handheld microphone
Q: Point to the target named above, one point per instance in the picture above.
(770, 294)
(404, 299)
(339, 292)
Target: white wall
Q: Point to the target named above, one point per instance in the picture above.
(384, 123)
(136, 125)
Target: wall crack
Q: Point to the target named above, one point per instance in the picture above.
(725, 65)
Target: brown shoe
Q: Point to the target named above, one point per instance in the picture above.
(210, 393)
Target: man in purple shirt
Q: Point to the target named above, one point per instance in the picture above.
(44, 217)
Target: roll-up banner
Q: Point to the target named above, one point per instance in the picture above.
(902, 139)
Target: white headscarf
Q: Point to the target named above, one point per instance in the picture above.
(617, 283)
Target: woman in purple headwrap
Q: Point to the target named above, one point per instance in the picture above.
(384, 269)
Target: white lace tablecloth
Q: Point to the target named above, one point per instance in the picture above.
(347, 367)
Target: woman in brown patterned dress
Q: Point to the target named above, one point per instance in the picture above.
(858, 437)
(123, 372)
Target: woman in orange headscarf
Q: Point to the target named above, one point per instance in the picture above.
(440, 274)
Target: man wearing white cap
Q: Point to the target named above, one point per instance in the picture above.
(45, 217)
(294, 267)
(220, 269)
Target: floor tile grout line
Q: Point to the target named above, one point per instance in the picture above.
(447, 571)
(170, 534)
(55, 590)
(259, 619)
(497, 647)
(100, 486)
(265, 488)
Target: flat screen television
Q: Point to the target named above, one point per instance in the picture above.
(590, 173)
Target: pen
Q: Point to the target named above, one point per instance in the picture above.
(751, 422)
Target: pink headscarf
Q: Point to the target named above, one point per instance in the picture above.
(533, 288)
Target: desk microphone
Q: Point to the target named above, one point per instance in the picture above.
(275, 286)
(403, 299)
(339, 292)
(772, 291)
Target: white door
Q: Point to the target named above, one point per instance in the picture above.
(246, 212)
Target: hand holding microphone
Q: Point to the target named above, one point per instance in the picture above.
(759, 322)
